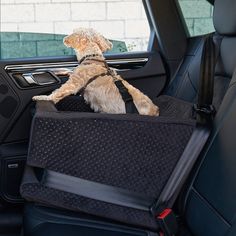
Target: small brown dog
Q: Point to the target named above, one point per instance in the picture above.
(95, 80)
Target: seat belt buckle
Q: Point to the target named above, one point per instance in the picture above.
(167, 222)
(206, 110)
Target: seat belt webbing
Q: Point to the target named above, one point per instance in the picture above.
(96, 191)
(201, 133)
(205, 112)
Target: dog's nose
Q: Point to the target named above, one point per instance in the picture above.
(66, 41)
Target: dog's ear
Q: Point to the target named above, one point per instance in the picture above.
(103, 43)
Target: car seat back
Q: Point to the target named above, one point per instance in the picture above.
(210, 207)
(185, 85)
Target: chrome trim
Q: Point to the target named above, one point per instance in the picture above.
(39, 66)
(13, 166)
(58, 71)
(69, 64)
(29, 78)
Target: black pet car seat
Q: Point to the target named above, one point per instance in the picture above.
(118, 166)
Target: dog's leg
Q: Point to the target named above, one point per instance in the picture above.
(64, 72)
(69, 88)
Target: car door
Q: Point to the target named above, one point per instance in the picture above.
(32, 53)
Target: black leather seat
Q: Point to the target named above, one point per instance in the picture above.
(210, 207)
(210, 203)
(185, 84)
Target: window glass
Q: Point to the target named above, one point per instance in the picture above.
(198, 16)
(34, 28)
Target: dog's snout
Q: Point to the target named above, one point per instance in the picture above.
(66, 41)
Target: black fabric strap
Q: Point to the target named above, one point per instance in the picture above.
(182, 170)
(96, 191)
(127, 98)
(205, 113)
(204, 108)
(207, 73)
(89, 56)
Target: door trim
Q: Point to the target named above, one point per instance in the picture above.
(130, 61)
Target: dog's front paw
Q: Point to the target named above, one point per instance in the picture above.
(42, 98)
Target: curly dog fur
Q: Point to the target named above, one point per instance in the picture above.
(102, 94)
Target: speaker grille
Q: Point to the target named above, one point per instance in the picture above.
(9, 102)
(3, 89)
(7, 106)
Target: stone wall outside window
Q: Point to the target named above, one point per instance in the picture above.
(123, 20)
(198, 15)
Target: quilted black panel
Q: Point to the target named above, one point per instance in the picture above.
(133, 152)
(137, 154)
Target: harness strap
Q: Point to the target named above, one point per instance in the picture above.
(88, 62)
(88, 56)
(127, 98)
(81, 91)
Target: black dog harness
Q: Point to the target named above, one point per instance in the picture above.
(127, 98)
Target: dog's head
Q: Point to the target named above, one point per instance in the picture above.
(83, 37)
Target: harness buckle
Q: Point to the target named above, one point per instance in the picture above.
(167, 222)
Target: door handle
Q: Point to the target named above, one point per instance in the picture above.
(40, 78)
(29, 78)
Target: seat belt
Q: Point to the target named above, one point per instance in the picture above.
(204, 107)
(96, 191)
(205, 112)
(162, 208)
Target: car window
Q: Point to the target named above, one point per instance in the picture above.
(34, 28)
(198, 15)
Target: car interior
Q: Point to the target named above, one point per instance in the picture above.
(206, 204)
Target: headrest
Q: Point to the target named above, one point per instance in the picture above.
(225, 17)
